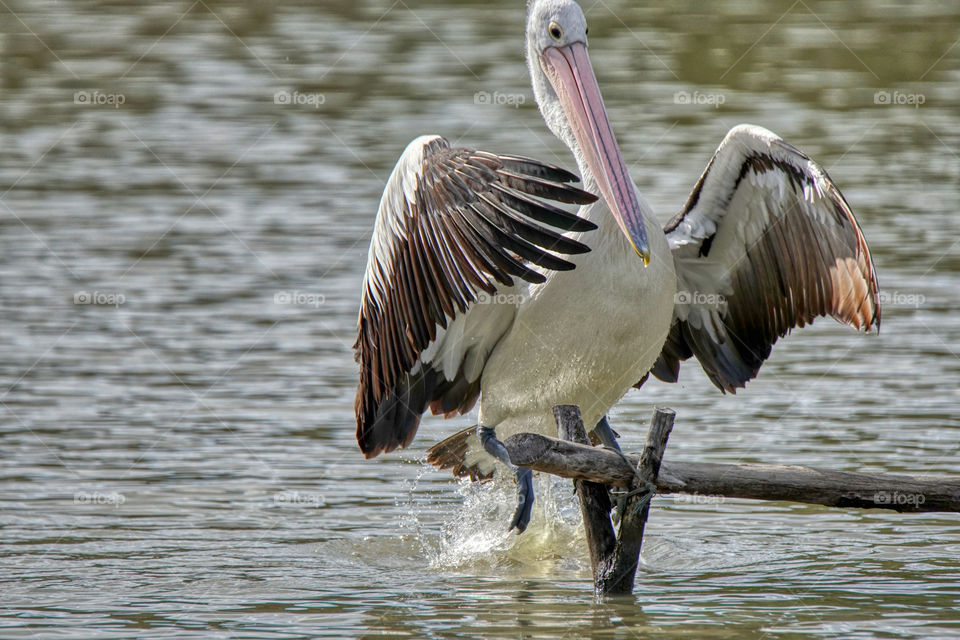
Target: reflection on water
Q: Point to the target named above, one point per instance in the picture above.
(187, 192)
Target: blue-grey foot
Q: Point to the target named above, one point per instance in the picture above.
(606, 435)
(493, 446)
(521, 517)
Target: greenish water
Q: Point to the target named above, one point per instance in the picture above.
(177, 459)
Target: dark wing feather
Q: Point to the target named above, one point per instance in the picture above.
(452, 224)
(765, 243)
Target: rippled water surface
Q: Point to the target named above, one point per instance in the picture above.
(176, 439)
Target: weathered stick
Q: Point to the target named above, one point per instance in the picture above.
(613, 557)
(809, 485)
(594, 498)
(618, 577)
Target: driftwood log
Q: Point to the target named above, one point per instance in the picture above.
(614, 556)
(811, 485)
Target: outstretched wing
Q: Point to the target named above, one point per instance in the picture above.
(454, 226)
(765, 243)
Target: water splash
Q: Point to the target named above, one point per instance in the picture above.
(473, 532)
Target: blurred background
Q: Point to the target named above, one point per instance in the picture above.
(187, 191)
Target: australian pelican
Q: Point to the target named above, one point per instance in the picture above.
(478, 287)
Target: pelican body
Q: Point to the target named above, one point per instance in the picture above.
(479, 287)
(583, 337)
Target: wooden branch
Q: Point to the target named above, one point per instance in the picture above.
(809, 485)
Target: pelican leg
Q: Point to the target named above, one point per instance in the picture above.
(606, 435)
(493, 446)
(608, 439)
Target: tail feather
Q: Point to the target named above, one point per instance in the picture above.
(451, 454)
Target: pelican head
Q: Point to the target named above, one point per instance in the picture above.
(569, 98)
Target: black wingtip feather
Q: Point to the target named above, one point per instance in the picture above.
(540, 237)
(546, 189)
(529, 166)
(542, 211)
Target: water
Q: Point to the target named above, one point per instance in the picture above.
(178, 458)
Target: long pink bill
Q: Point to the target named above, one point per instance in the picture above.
(571, 75)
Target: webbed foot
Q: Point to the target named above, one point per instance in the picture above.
(524, 476)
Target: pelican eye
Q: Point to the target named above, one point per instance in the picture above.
(555, 31)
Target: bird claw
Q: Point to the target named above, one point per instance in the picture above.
(641, 487)
(646, 490)
(521, 517)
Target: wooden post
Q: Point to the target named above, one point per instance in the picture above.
(594, 497)
(619, 577)
(614, 557)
